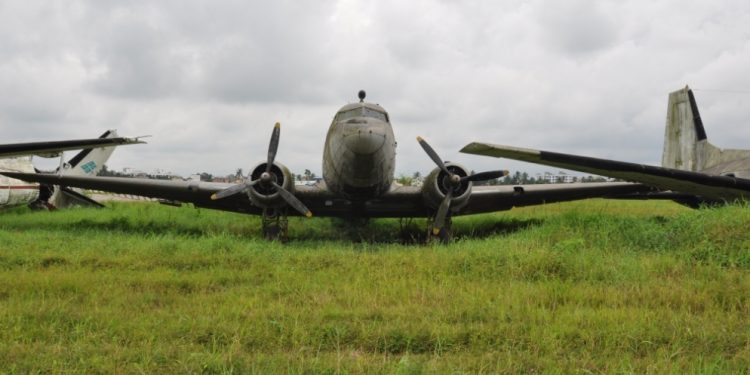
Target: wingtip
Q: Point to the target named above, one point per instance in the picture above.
(471, 148)
(466, 148)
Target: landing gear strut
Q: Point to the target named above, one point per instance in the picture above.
(275, 224)
(444, 234)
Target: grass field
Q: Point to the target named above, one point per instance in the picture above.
(585, 287)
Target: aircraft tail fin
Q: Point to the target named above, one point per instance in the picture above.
(90, 161)
(686, 145)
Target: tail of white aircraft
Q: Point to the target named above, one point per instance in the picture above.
(686, 145)
(88, 162)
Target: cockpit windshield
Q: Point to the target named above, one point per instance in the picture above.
(356, 112)
(375, 114)
(362, 112)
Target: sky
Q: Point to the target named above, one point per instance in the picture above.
(208, 79)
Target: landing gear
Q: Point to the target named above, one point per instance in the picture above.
(409, 232)
(444, 235)
(275, 224)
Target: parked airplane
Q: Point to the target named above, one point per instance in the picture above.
(87, 162)
(693, 170)
(358, 169)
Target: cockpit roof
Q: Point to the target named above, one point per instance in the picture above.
(372, 106)
(365, 109)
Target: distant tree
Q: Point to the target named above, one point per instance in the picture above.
(205, 176)
(517, 177)
(106, 172)
(405, 180)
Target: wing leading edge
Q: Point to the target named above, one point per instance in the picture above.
(695, 183)
(54, 147)
(405, 201)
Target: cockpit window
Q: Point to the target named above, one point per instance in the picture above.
(356, 112)
(375, 114)
(362, 112)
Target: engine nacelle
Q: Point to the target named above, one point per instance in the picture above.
(437, 184)
(266, 195)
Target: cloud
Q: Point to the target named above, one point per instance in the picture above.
(208, 80)
(576, 27)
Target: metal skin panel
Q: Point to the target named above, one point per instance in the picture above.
(686, 145)
(87, 162)
(14, 192)
(359, 154)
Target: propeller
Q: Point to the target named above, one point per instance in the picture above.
(267, 179)
(454, 182)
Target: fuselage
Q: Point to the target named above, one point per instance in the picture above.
(359, 158)
(16, 192)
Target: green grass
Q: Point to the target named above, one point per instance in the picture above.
(589, 287)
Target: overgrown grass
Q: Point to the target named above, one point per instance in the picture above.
(590, 286)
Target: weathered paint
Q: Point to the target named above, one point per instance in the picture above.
(87, 162)
(686, 145)
(16, 192)
(359, 157)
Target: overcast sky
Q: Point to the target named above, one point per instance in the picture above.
(209, 79)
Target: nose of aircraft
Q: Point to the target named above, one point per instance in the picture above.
(366, 139)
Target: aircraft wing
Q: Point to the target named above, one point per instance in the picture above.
(504, 197)
(55, 147)
(404, 201)
(695, 183)
(196, 192)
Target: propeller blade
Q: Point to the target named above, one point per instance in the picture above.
(433, 155)
(484, 176)
(441, 214)
(273, 146)
(292, 200)
(232, 190)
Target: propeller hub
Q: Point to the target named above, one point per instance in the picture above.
(265, 177)
(455, 180)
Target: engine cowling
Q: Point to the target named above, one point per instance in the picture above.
(437, 185)
(266, 195)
